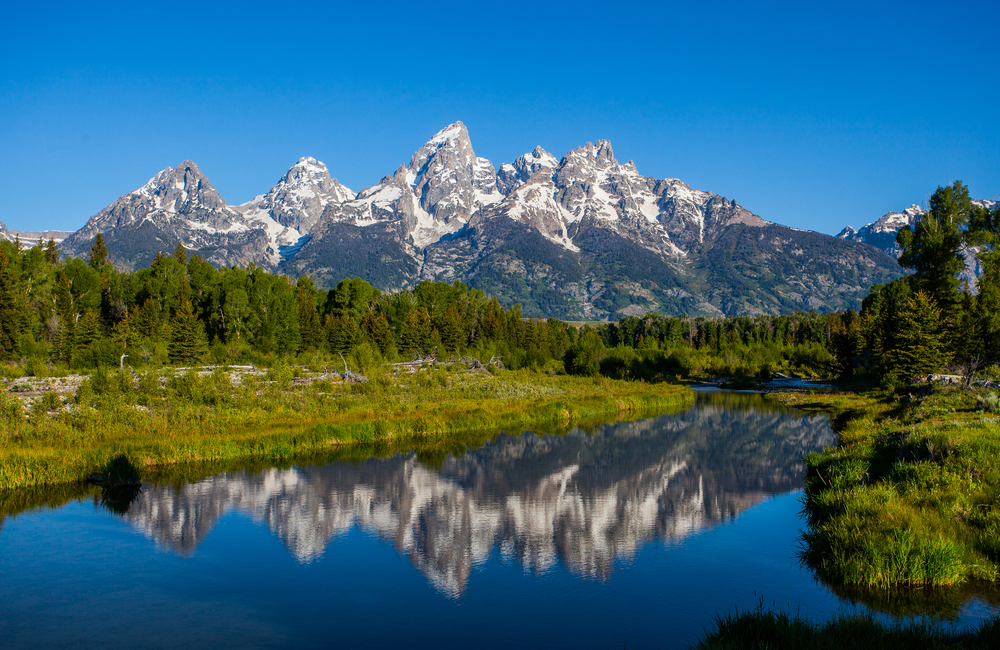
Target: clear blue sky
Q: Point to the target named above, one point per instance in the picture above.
(813, 115)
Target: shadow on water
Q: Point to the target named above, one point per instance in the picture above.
(937, 602)
(118, 500)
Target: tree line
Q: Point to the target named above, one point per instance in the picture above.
(84, 313)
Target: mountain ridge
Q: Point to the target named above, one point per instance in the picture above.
(581, 237)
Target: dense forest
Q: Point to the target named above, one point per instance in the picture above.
(79, 314)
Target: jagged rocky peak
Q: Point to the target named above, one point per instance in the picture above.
(443, 185)
(450, 181)
(511, 176)
(181, 188)
(178, 205)
(293, 206)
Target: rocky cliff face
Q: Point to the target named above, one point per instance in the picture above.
(581, 237)
(293, 206)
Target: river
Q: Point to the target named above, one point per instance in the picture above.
(634, 534)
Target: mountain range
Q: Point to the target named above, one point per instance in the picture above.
(581, 237)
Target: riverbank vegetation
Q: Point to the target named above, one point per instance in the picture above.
(163, 417)
(909, 496)
(763, 630)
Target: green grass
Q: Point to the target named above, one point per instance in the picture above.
(760, 630)
(163, 419)
(911, 494)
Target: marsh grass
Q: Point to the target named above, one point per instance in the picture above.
(161, 418)
(766, 630)
(911, 494)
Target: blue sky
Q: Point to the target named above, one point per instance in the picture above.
(811, 116)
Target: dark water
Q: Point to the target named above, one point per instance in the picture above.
(636, 534)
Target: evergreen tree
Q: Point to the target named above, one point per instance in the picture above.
(342, 333)
(181, 255)
(98, 253)
(932, 248)
(376, 327)
(87, 331)
(9, 345)
(187, 332)
(310, 328)
(51, 252)
(415, 332)
(451, 329)
(920, 347)
(66, 315)
(147, 319)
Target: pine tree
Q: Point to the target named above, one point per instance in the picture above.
(147, 319)
(342, 333)
(310, 328)
(187, 334)
(932, 248)
(9, 345)
(51, 252)
(181, 255)
(415, 332)
(98, 253)
(920, 348)
(376, 327)
(451, 329)
(87, 331)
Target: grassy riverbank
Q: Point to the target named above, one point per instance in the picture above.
(911, 494)
(761, 630)
(163, 418)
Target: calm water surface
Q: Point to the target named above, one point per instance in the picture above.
(636, 534)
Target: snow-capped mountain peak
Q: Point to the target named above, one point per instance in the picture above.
(294, 204)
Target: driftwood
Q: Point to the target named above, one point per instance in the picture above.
(352, 377)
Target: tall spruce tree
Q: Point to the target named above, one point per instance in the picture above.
(98, 253)
(187, 332)
(932, 248)
(51, 252)
(9, 346)
(920, 348)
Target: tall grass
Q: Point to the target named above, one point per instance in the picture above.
(163, 418)
(760, 630)
(909, 496)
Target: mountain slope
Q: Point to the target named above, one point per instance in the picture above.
(582, 237)
(178, 205)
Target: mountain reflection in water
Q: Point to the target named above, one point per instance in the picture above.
(583, 499)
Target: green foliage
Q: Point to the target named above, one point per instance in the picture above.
(906, 498)
(584, 357)
(919, 323)
(119, 471)
(761, 630)
(98, 253)
(988, 402)
(920, 347)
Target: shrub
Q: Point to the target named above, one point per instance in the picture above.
(988, 402)
(120, 471)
